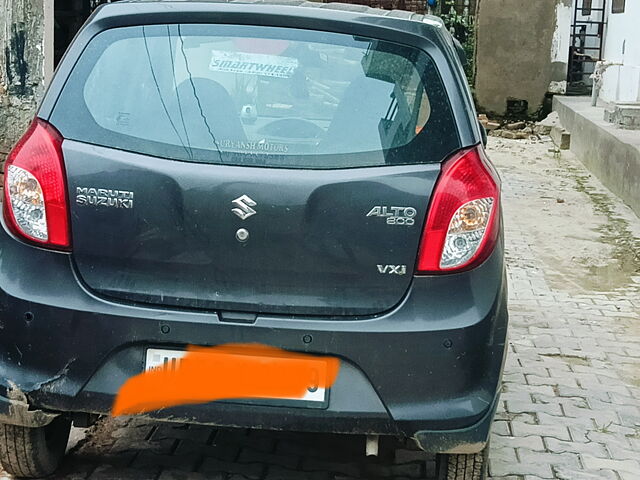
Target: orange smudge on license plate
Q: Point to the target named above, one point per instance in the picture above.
(232, 371)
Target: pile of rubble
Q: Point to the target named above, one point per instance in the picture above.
(520, 130)
(504, 129)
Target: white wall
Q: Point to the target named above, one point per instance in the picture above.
(622, 44)
(560, 47)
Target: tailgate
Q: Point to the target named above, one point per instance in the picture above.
(330, 242)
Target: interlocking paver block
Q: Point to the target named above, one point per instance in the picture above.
(594, 463)
(249, 470)
(530, 442)
(561, 432)
(498, 468)
(591, 448)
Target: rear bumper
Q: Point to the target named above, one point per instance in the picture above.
(428, 369)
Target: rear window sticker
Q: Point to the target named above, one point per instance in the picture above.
(253, 146)
(253, 64)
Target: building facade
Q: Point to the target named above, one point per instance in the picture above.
(521, 53)
(525, 51)
(33, 37)
(25, 66)
(528, 51)
(35, 33)
(621, 83)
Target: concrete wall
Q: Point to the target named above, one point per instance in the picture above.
(516, 54)
(622, 45)
(610, 153)
(22, 65)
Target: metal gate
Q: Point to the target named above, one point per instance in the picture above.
(586, 43)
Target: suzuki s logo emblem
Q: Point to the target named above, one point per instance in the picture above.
(243, 207)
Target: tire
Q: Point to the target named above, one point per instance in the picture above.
(33, 452)
(463, 467)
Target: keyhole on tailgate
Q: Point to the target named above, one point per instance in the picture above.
(242, 235)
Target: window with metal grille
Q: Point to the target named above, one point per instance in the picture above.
(617, 6)
(586, 7)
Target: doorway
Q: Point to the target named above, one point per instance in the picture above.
(586, 44)
(68, 17)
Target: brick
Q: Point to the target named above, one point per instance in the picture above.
(563, 473)
(594, 463)
(151, 460)
(182, 475)
(602, 395)
(501, 428)
(592, 448)
(557, 431)
(251, 471)
(498, 468)
(551, 420)
(530, 407)
(568, 460)
(279, 473)
(624, 454)
(505, 454)
(377, 469)
(248, 455)
(345, 468)
(224, 451)
(551, 381)
(196, 433)
(531, 442)
(107, 472)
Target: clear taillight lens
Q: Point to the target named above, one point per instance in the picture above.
(27, 203)
(35, 194)
(463, 221)
(466, 232)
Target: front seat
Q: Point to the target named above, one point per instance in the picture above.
(209, 113)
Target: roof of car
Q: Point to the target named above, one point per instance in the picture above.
(431, 20)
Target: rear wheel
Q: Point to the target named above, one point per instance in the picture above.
(463, 466)
(33, 452)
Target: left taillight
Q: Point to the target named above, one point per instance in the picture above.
(35, 193)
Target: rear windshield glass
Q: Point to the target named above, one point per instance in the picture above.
(264, 96)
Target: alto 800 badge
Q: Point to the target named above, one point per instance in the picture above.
(394, 215)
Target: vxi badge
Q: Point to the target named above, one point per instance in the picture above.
(394, 215)
(392, 269)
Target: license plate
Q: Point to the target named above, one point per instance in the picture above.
(157, 358)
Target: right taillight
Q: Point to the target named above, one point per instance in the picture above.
(463, 221)
(35, 194)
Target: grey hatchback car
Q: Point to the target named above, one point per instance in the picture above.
(301, 175)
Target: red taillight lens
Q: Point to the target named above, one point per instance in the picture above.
(35, 194)
(463, 220)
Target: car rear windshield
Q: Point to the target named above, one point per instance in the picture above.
(264, 96)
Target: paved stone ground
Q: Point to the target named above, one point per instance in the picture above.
(571, 395)
(571, 402)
